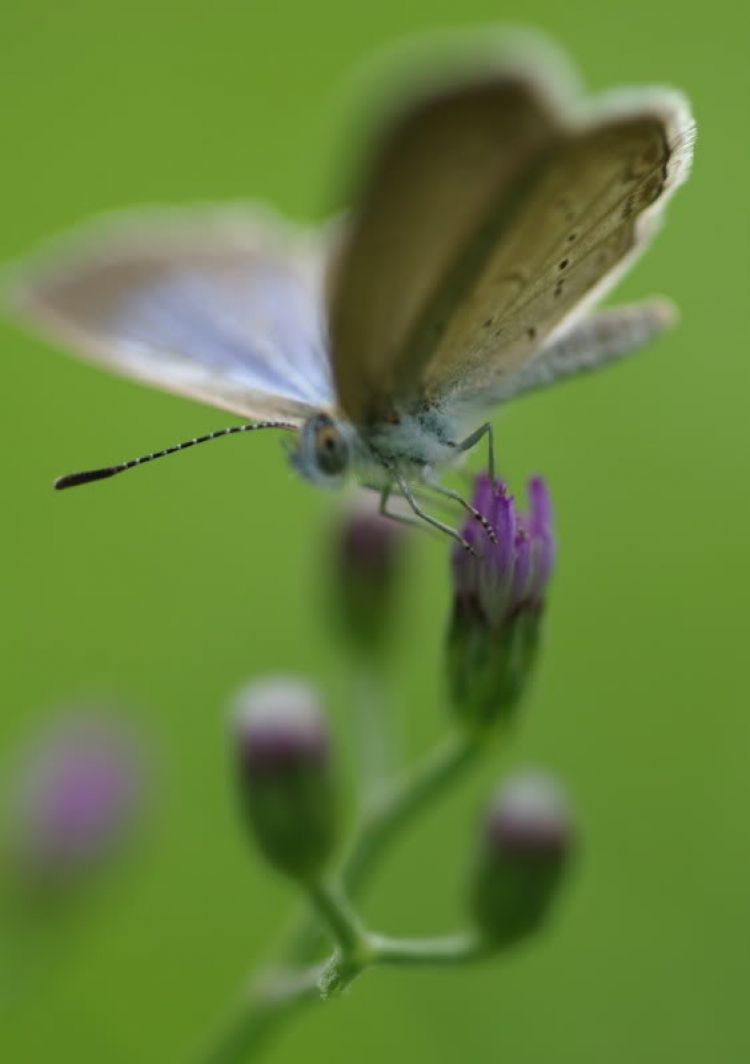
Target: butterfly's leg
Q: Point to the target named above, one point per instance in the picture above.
(430, 479)
(385, 494)
(403, 519)
(421, 496)
(409, 496)
(470, 441)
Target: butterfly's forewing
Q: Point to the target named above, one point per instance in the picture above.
(222, 306)
(491, 211)
(435, 178)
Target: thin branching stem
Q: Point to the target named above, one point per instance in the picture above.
(260, 1011)
(373, 726)
(449, 949)
(337, 915)
(271, 1002)
(402, 802)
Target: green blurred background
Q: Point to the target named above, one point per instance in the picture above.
(174, 585)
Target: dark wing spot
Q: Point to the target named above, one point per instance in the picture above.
(487, 324)
(563, 264)
(531, 333)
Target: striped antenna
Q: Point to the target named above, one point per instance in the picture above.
(72, 480)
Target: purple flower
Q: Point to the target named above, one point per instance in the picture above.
(499, 595)
(77, 791)
(512, 574)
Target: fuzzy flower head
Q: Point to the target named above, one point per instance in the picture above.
(503, 578)
(77, 791)
(499, 593)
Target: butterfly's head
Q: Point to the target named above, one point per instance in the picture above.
(323, 453)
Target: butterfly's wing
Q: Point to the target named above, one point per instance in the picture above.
(220, 305)
(597, 338)
(492, 210)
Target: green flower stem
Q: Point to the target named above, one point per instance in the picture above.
(451, 949)
(336, 913)
(339, 971)
(262, 1012)
(259, 1013)
(398, 806)
(373, 727)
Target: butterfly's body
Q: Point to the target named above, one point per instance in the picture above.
(494, 212)
(409, 440)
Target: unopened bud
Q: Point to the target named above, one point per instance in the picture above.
(367, 563)
(286, 781)
(525, 848)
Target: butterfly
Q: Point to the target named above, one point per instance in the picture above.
(492, 208)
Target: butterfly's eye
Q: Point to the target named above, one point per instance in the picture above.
(331, 450)
(323, 452)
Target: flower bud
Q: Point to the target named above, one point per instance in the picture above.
(285, 774)
(499, 593)
(525, 848)
(368, 550)
(76, 794)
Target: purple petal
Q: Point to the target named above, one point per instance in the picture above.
(542, 546)
(497, 567)
(540, 507)
(484, 492)
(521, 574)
